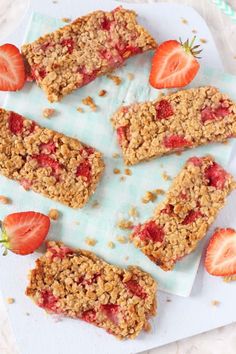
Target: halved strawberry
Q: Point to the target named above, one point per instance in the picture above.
(12, 69)
(221, 253)
(23, 233)
(174, 64)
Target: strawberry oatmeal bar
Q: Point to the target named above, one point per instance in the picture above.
(78, 284)
(190, 207)
(89, 47)
(178, 121)
(50, 163)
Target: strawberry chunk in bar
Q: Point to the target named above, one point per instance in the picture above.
(78, 284)
(47, 162)
(87, 48)
(182, 220)
(179, 121)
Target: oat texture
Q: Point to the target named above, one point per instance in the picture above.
(80, 285)
(170, 124)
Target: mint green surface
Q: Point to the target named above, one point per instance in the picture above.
(115, 197)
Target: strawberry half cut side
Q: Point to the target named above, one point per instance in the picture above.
(221, 253)
(24, 232)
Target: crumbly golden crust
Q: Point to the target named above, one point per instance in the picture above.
(172, 123)
(183, 218)
(91, 46)
(59, 167)
(78, 284)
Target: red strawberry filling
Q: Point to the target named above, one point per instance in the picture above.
(48, 301)
(26, 183)
(168, 209)
(87, 76)
(91, 281)
(38, 73)
(192, 216)
(126, 50)
(209, 113)
(111, 311)
(46, 161)
(88, 150)
(164, 110)
(135, 288)
(122, 133)
(196, 161)
(149, 231)
(216, 176)
(176, 142)
(61, 253)
(183, 196)
(47, 148)
(69, 43)
(84, 170)
(15, 123)
(106, 24)
(89, 316)
(114, 60)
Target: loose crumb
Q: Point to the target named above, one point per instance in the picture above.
(125, 224)
(165, 176)
(48, 112)
(168, 300)
(79, 109)
(88, 101)
(184, 21)
(111, 244)
(90, 241)
(102, 93)
(128, 172)
(122, 239)
(95, 204)
(10, 300)
(115, 155)
(53, 214)
(229, 278)
(4, 200)
(202, 40)
(147, 327)
(116, 171)
(159, 191)
(126, 258)
(149, 197)
(133, 212)
(66, 19)
(194, 31)
(116, 79)
(215, 302)
(130, 76)
(122, 178)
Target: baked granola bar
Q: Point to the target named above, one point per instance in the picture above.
(78, 284)
(178, 121)
(78, 53)
(190, 207)
(50, 163)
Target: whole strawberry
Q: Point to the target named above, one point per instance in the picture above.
(23, 233)
(174, 64)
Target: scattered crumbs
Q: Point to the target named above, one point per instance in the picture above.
(95, 204)
(102, 93)
(122, 178)
(116, 171)
(125, 224)
(4, 200)
(225, 142)
(111, 244)
(130, 76)
(203, 40)
(88, 101)
(10, 300)
(184, 21)
(48, 112)
(215, 302)
(66, 19)
(128, 172)
(90, 241)
(53, 214)
(147, 327)
(133, 212)
(121, 239)
(149, 197)
(194, 31)
(115, 155)
(116, 79)
(159, 191)
(126, 258)
(229, 278)
(165, 176)
(168, 300)
(79, 109)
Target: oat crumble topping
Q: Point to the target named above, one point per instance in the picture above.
(122, 239)
(125, 224)
(5, 200)
(90, 241)
(102, 93)
(149, 197)
(10, 300)
(116, 171)
(48, 112)
(111, 244)
(53, 214)
(116, 79)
